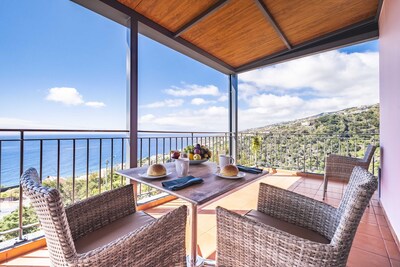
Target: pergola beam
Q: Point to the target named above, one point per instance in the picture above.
(263, 8)
(201, 17)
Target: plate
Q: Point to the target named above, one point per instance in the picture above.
(240, 175)
(196, 162)
(144, 175)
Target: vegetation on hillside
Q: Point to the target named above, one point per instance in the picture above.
(303, 144)
(10, 221)
(347, 122)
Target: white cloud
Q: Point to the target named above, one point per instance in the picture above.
(300, 88)
(66, 95)
(193, 90)
(296, 89)
(326, 74)
(223, 98)
(146, 118)
(213, 118)
(201, 101)
(95, 104)
(170, 103)
(71, 97)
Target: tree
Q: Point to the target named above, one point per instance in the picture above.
(10, 221)
(255, 146)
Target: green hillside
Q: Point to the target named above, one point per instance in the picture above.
(351, 121)
(303, 144)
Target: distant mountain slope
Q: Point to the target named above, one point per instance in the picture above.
(351, 121)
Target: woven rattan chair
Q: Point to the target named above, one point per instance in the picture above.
(289, 229)
(106, 230)
(340, 167)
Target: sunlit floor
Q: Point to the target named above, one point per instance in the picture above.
(373, 244)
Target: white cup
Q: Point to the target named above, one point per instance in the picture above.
(182, 166)
(225, 160)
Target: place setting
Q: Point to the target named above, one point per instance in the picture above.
(228, 170)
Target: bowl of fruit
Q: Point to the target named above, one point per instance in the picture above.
(197, 154)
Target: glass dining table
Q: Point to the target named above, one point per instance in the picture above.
(198, 195)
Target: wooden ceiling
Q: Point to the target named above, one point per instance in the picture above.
(239, 32)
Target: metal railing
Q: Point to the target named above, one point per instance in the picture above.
(79, 166)
(302, 152)
(82, 163)
(79, 163)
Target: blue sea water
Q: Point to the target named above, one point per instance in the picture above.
(10, 153)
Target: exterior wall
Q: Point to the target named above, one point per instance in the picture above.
(389, 65)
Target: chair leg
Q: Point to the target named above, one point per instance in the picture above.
(325, 187)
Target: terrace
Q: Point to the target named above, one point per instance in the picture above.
(373, 245)
(284, 36)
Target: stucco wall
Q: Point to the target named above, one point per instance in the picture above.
(389, 65)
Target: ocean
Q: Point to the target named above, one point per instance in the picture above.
(10, 153)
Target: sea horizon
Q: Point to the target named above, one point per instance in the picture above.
(10, 153)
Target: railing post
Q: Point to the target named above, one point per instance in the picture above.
(20, 202)
(304, 154)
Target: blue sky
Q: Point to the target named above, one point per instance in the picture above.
(62, 66)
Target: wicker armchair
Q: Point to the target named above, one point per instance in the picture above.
(289, 229)
(340, 167)
(106, 230)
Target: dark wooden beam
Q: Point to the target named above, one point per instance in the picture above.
(378, 11)
(212, 9)
(357, 33)
(120, 13)
(273, 23)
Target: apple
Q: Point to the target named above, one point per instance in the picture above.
(197, 157)
(175, 154)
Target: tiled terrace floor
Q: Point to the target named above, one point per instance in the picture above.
(373, 244)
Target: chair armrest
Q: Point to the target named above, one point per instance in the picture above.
(159, 243)
(95, 212)
(341, 166)
(244, 242)
(297, 209)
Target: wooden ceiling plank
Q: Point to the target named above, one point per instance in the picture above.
(358, 32)
(160, 34)
(274, 24)
(201, 17)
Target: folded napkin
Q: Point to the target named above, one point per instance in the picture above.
(181, 183)
(249, 169)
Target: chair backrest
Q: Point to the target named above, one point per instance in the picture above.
(50, 211)
(369, 153)
(360, 189)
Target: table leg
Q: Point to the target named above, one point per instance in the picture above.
(193, 259)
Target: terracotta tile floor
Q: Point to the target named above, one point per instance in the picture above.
(372, 246)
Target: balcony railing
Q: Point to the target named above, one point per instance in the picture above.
(83, 163)
(302, 152)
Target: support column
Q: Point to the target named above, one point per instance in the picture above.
(132, 93)
(132, 96)
(233, 115)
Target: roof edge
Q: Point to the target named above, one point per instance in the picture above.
(121, 14)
